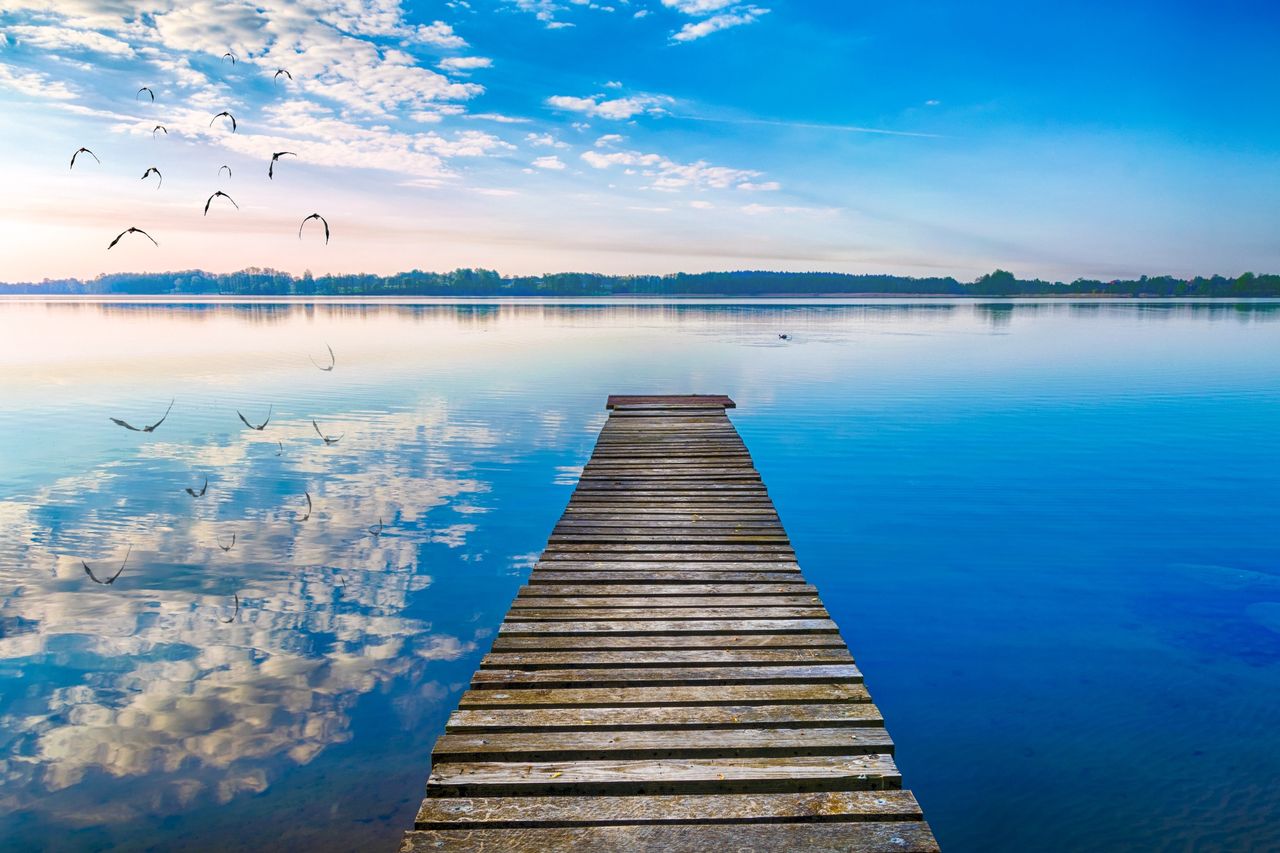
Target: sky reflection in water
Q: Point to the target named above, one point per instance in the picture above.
(1046, 529)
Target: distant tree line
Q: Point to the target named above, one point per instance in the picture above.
(479, 282)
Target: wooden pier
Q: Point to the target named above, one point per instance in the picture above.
(667, 680)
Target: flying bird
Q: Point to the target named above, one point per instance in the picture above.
(224, 166)
(132, 230)
(251, 426)
(200, 493)
(231, 56)
(280, 71)
(235, 613)
(322, 219)
(151, 428)
(271, 170)
(226, 548)
(328, 439)
(80, 151)
(333, 360)
(228, 115)
(215, 195)
(376, 530)
(157, 128)
(308, 515)
(280, 452)
(146, 89)
(157, 174)
(109, 581)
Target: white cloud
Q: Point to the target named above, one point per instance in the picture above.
(643, 13)
(763, 186)
(65, 38)
(697, 7)
(609, 139)
(549, 162)
(33, 84)
(763, 210)
(701, 205)
(735, 18)
(613, 84)
(544, 140)
(667, 175)
(616, 109)
(499, 118)
(932, 102)
(464, 63)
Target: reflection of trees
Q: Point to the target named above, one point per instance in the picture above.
(145, 679)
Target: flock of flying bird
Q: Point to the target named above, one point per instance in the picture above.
(152, 170)
(374, 530)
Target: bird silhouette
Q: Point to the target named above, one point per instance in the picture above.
(328, 439)
(109, 581)
(226, 548)
(157, 174)
(280, 71)
(251, 426)
(131, 230)
(200, 493)
(151, 428)
(80, 151)
(271, 169)
(333, 360)
(234, 613)
(209, 201)
(231, 56)
(228, 115)
(307, 495)
(322, 220)
(146, 89)
(224, 166)
(280, 452)
(157, 128)
(376, 530)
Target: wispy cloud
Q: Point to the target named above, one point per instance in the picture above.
(464, 64)
(551, 162)
(599, 106)
(668, 175)
(734, 18)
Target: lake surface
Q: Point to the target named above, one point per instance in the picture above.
(1049, 531)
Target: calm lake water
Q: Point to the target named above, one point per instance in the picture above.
(1049, 532)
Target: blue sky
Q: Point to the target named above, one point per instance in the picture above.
(1058, 140)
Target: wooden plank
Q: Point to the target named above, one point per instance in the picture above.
(727, 694)
(827, 715)
(834, 837)
(853, 772)
(613, 574)
(634, 658)
(649, 614)
(674, 626)
(711, 676)
(542, 642)
(527, 812)
(657, 744)
(668, 400)
(531, 600)
(655, 590)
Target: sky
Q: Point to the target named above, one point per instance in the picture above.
(917, 137)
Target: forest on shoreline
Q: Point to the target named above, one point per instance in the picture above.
(480, 282)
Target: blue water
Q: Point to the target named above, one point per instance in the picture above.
(1048, 531)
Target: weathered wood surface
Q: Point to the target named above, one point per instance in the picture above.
(667, 680)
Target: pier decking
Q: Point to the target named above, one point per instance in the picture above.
(667, 680)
